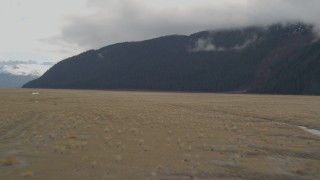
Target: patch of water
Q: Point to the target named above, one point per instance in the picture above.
(311, 131)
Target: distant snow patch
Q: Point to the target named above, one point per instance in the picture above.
(311, 131)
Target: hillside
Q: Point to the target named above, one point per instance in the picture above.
(278, 59)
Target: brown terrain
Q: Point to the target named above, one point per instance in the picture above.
(282, 52)
(67, 134)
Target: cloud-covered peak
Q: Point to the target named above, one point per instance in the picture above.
(24, 68)
(131, 20)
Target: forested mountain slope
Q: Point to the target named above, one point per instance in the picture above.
(276, 59)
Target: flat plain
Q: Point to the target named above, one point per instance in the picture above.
(74, 134)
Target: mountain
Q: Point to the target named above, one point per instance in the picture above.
(281, 59)
(13, 81)
(14, 74)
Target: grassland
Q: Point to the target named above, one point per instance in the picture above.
(66, 134)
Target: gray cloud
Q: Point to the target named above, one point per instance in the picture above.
(115, 21)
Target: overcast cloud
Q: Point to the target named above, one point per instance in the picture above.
(130, 20)
(44, 30)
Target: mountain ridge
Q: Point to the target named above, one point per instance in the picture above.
(251, 59)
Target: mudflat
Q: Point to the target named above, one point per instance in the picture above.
(69, 134)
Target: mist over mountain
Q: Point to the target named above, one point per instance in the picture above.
(280, 59)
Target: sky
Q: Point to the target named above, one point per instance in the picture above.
(50, 31)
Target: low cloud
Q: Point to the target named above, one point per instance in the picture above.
(248, 42)
(205, 44)
(113, 21)
(24, 68)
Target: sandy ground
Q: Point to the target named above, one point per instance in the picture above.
(65, 134)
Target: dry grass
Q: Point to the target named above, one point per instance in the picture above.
(9, 161)
(298, 170)
(66, 134)
(26, 173)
